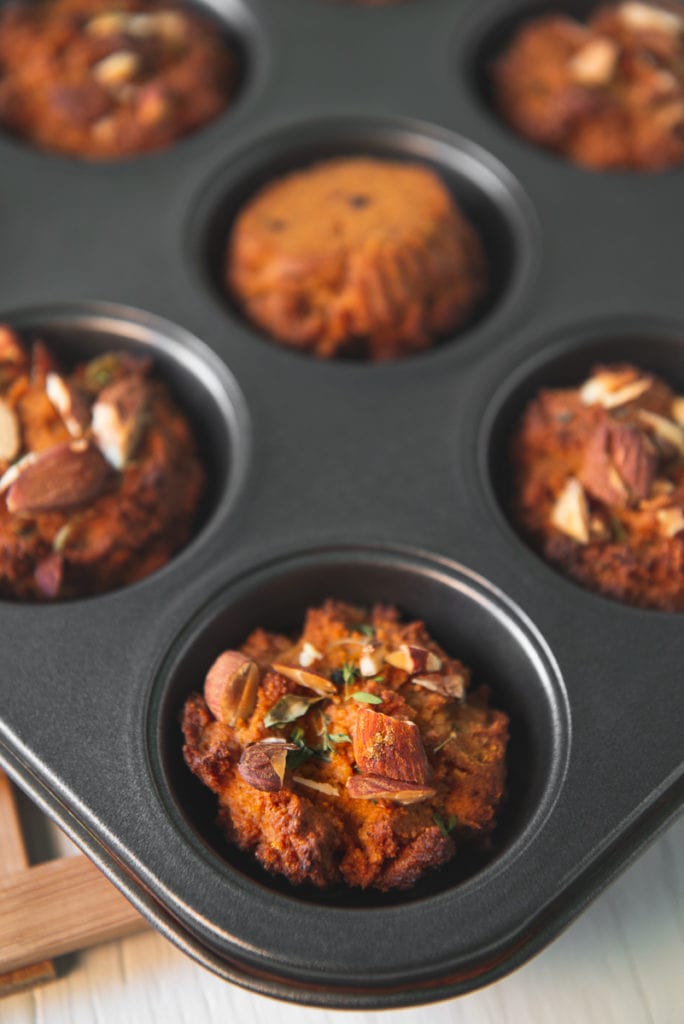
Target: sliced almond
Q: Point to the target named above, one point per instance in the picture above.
(678, 410)
(308, 655)
(58, 478)
(9, 432)
(371, 659)
(48, 575)
(230, 687)
(310, 680)
(670, 521)
(320, 787)
(595, 63)
(374, 787)
(109, 23)
(647, 18)
(168, 25)
(262, 764)
(414, 659)
(391, 747)
(450, 685)
(667, 432)
(611, 389)
(71, 406)
(119, 417)
(117, 69)
(570, 514)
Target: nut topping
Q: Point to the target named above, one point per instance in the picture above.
(310, 680)
(452, 685)
(414, 659)
(230, 687)
(58, 478)
(667, 434)
(570, 514)
(611, 388)
(262, 764)
(619, 464)
(595, 63)
(371, 659)
(10, 346)
(320, 787)
(109, 23)
(170, 25)
(646, 18)
(390, 747)
(678, 410)
(9, 433)
(119, 418)
(117, 69)
(308, 655)
(71, 406)
(670, 521)
(375, 787)
(48, 574)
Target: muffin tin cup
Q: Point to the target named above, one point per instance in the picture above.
(341, 479)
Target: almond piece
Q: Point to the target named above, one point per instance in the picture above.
(570, 514)
(310, 680)
(452, 685)
(308, 655)
(11, 350)
(9, 432)
(647, 18)
(667, 433)
(670, 521)
(262, 764)
(371, 658)
(678, 410)
(117, 69)
(375, 787)
(230, 687)
(594, 64)
(119, 416)
(414, 659)
(59, 478)
(48, 575)
(171, 26)
(109, 23)
(71, 406)
(320, 787)
(619, 464)
(387, 746)
(613, 388)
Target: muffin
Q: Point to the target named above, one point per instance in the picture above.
(356, 257)
(598, 484)
(104, 80)
(355, 754)
(608, 94)
(99, 478)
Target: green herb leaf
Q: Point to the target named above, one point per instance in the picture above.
(349, 672)
(339, 737)
(288, 709)
(452, 822)
(365, 629)
(366, 698)
(378, 679)
(619, 531)
(297, 735)
(439, 822)
(295, 758)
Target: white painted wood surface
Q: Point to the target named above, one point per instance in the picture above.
(622, 962)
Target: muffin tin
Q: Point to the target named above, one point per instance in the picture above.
(359, 481)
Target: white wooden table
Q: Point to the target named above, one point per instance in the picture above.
(622, 962)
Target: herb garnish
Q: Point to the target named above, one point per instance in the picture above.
(366, 698)
(349, 673)
(289, 708)
(619, 531)
(364, 628)
(339, 737)
(445, 829)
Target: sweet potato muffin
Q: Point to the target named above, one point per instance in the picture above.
(608, 94)
(356, 753)
(357, 257)
(99, 478)
(599, 484)
(105, 79)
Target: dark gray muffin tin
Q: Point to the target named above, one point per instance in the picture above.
(365, 482)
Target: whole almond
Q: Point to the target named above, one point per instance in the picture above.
(391, 747)
(262, 764)
(119, 418)
(230, 687)
(59, 478)
(412, 658)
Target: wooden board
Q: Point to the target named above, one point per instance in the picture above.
(61, 906)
